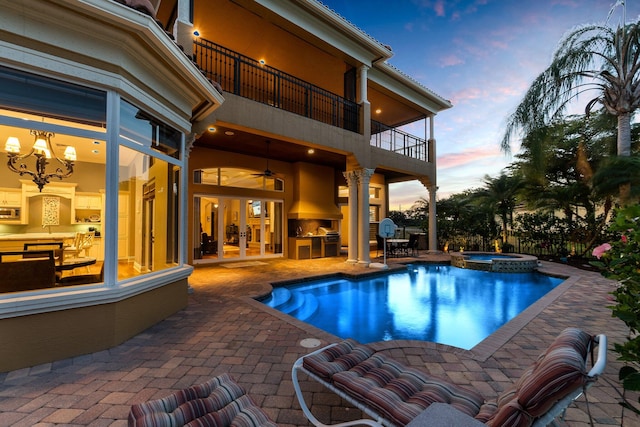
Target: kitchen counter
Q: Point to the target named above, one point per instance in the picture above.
(15, 242)
(36, 236)
(305, 247)
(314, 246)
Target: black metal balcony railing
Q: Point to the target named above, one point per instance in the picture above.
(249, 78)
(392, 139)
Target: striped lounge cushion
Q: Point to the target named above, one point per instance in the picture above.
(401, 393)
(340, 357)
(218, 402)
(395, 391)
(560, 370)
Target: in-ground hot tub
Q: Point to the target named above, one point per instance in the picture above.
(492, 261)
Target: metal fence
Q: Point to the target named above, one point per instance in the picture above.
(246, 77)
(516, 245)
(392, 139)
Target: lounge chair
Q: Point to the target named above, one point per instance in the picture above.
(394, 395)
(218, 402)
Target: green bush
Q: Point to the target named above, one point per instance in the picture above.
(619, 260)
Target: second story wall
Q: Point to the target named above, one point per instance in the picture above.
(254, 33)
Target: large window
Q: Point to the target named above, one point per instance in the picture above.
(148, 194)
(61, 222)
(51, 228)
(238, 178)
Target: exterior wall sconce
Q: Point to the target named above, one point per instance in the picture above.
(42, 150)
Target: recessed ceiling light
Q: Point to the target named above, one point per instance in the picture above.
(229, 133)
(211, 129)
(311, 151)
(262, 61)
(95, 151)
(378, 111)
(96, 142)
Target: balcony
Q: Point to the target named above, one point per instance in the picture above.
(392, 139)
(249, 78)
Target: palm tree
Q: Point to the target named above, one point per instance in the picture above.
(590, 58)
(500, 194)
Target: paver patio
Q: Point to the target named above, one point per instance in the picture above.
(224, 330)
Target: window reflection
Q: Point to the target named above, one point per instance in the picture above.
(141, 128)
(148, 194)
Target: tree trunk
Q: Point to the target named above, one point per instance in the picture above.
(624, 134)
(624, 149)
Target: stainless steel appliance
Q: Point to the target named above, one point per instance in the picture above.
(9, 213)
(330, 241)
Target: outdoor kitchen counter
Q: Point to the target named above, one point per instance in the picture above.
(305, 247)
(314, 246)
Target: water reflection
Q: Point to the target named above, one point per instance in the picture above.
(443, 304)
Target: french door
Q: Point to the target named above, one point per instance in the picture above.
(230, 228)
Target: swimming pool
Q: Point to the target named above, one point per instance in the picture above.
(437, 303)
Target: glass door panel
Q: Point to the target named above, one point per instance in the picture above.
(236, 228)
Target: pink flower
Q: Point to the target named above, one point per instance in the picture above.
(598, 251)
(623, 238)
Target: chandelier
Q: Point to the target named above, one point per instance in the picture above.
(42, 150)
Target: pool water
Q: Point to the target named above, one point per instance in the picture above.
(437, 303)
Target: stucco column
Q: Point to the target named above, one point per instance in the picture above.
(363, 101)
(352, 240)
(364, 176)
(433, 232)
(183, 27)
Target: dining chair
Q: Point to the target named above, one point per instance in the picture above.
(56, 247)
(81, 243)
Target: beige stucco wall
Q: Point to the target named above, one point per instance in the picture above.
(40, 338)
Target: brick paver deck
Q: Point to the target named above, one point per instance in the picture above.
(224, 330)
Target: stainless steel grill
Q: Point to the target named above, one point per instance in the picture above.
(328, 234)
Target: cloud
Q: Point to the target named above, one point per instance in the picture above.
(469, 156)
(438, 7)
(450, 61)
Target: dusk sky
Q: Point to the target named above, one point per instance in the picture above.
(482, 55)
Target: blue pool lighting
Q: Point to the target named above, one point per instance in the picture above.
(437, 303)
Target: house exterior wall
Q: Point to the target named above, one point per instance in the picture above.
(109, 47)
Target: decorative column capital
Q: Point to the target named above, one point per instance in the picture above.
(363, 175)
(351, 177)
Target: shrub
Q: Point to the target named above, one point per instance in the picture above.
(619, 260)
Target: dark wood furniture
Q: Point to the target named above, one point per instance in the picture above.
(27, 270)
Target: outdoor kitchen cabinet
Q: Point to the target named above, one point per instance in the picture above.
(299, 248)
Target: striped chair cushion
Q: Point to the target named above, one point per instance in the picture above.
(400, 393)
(218, 402)
(560, 370)
(340, 357)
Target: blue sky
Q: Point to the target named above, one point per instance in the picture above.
(482, 55)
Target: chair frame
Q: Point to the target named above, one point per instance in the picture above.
(377, 420)
(557, 410)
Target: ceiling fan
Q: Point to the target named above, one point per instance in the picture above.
(267, 172)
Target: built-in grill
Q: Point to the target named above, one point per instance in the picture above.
(330, 241)
(328, 234)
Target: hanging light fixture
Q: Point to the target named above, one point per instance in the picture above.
(42, 150)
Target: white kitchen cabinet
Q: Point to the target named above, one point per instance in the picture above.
(11, 197)
(87, 207)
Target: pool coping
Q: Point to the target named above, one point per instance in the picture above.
(480, 352)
